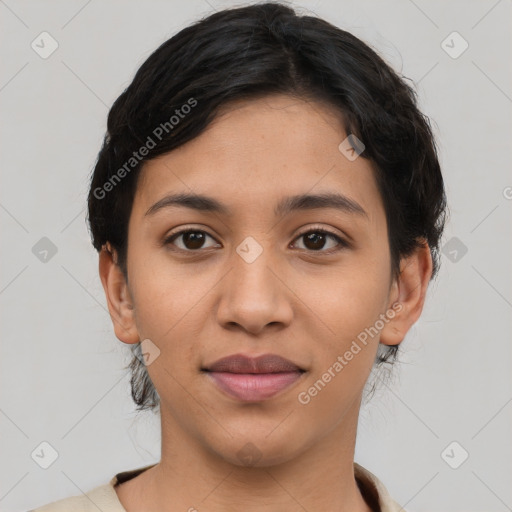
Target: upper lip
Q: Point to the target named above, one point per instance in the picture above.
(240, 363)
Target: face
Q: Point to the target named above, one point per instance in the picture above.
(251, 272)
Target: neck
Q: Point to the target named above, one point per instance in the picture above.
(190, 477)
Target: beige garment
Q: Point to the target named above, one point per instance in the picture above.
(104, 498)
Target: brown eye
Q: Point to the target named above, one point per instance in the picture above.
(192, 240)
(316, 240)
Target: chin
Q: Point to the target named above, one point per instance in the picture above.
(257, 448)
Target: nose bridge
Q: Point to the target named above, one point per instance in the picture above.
(252, 296)
(251, 274)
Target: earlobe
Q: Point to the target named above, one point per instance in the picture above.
(407, 296)
(119, 300)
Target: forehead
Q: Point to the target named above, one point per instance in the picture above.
(255, 152)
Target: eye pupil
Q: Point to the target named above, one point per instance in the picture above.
(196, 237)
(318, 240)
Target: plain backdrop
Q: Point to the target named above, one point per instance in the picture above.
(62, 376)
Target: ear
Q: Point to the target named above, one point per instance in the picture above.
(407, 295)
(119, 300)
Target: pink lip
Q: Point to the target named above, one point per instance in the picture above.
(253, 387)
(253, 379)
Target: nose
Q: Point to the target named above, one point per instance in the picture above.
(254, 295)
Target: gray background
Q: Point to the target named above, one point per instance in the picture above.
(62, 376)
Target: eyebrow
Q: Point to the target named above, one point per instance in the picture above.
(289, 204)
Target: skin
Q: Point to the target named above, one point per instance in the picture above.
(294, 300)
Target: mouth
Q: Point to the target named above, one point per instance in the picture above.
(253, 379)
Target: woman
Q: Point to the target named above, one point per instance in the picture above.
(267, 206)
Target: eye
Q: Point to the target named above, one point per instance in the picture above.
(315, 240)
(192, 239)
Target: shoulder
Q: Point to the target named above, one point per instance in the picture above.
(374, 491)
(102, 498)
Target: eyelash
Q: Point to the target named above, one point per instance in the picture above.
(342, 244)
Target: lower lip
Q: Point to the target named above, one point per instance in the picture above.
(253, 387)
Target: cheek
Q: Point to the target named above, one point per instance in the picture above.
(345, 352)
(160, 301)
(349, 297)
(170, 307)
(347, 322)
